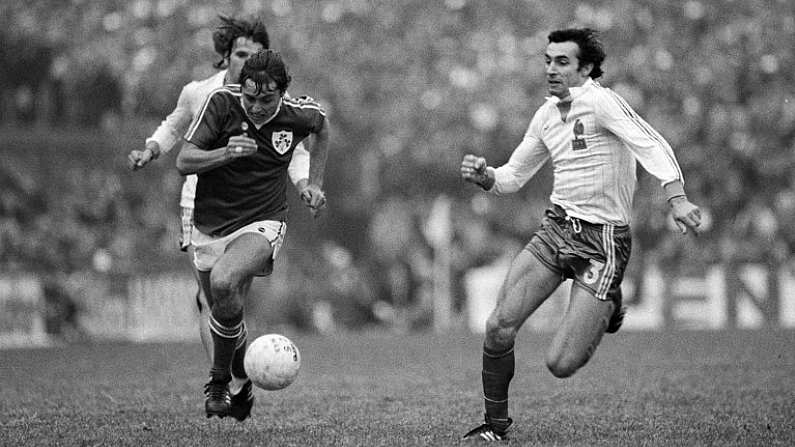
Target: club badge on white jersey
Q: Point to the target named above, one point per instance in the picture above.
(282, 141)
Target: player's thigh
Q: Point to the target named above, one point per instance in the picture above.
(579, 333)
(247, 255)
(204, 284)
(527, 285)
(202, 295)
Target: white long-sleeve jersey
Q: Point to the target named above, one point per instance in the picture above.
(593, 143)
(190, 101)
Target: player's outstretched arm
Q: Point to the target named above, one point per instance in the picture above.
(167, 134)
(312, 194)
(138, 159)
(686, 214)
(474, 170)
(193, 160)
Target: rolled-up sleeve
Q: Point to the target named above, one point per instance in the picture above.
(298, 169)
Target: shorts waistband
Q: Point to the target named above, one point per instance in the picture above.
(576, 222)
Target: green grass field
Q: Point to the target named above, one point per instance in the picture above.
(729, 388)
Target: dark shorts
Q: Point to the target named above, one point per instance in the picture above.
(594, 255)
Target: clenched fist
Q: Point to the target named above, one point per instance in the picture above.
(473, 170)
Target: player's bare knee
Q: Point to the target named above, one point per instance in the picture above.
(224, 290)
(229, 309)
(499, 333)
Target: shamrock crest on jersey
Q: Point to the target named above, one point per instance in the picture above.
(282, 141)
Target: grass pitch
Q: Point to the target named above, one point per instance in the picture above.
(727, 388)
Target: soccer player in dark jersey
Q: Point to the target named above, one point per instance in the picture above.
(240, 146)
(593, 139)
(234, 40)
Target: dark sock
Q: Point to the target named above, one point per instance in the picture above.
(225, 335)
(498, 368)
(240, 354)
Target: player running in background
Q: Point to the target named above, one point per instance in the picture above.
(593, 138)
(235, 40)
(240, 146)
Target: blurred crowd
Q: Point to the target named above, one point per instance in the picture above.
(410, 87)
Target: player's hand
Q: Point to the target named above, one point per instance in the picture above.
(686, 215)
(138, 159)
(240, 146)
(314, 198)
(473, 170)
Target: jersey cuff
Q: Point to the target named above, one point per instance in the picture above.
(494, 176)
(674, 188)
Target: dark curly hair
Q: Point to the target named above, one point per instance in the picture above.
(591, 50)
(265, 66)
(231, 28)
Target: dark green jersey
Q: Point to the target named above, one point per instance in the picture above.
(252, 188)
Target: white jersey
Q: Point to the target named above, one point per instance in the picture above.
(593, 143)
(177, 123)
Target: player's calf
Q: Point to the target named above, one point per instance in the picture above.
(240, 388)
(566, 357)
(225, 335)
(563, 367)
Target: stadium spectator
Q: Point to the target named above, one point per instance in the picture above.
(593, 139)
(240, 146)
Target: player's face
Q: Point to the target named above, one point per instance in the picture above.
(260, 105)
(563, 68)
(242, 49)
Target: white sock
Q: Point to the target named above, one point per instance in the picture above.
(236, 385)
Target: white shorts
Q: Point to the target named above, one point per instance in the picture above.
(207, 249)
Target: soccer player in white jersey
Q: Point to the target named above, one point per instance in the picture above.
(240, 147)
(235, 40)
(593, 139)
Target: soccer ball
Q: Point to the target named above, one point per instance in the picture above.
(272, 362)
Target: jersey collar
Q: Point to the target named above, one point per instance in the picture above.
(574, 92)
(259, 126)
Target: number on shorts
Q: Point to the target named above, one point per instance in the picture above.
(593, 271)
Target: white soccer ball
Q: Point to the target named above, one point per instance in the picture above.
(272, 362)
